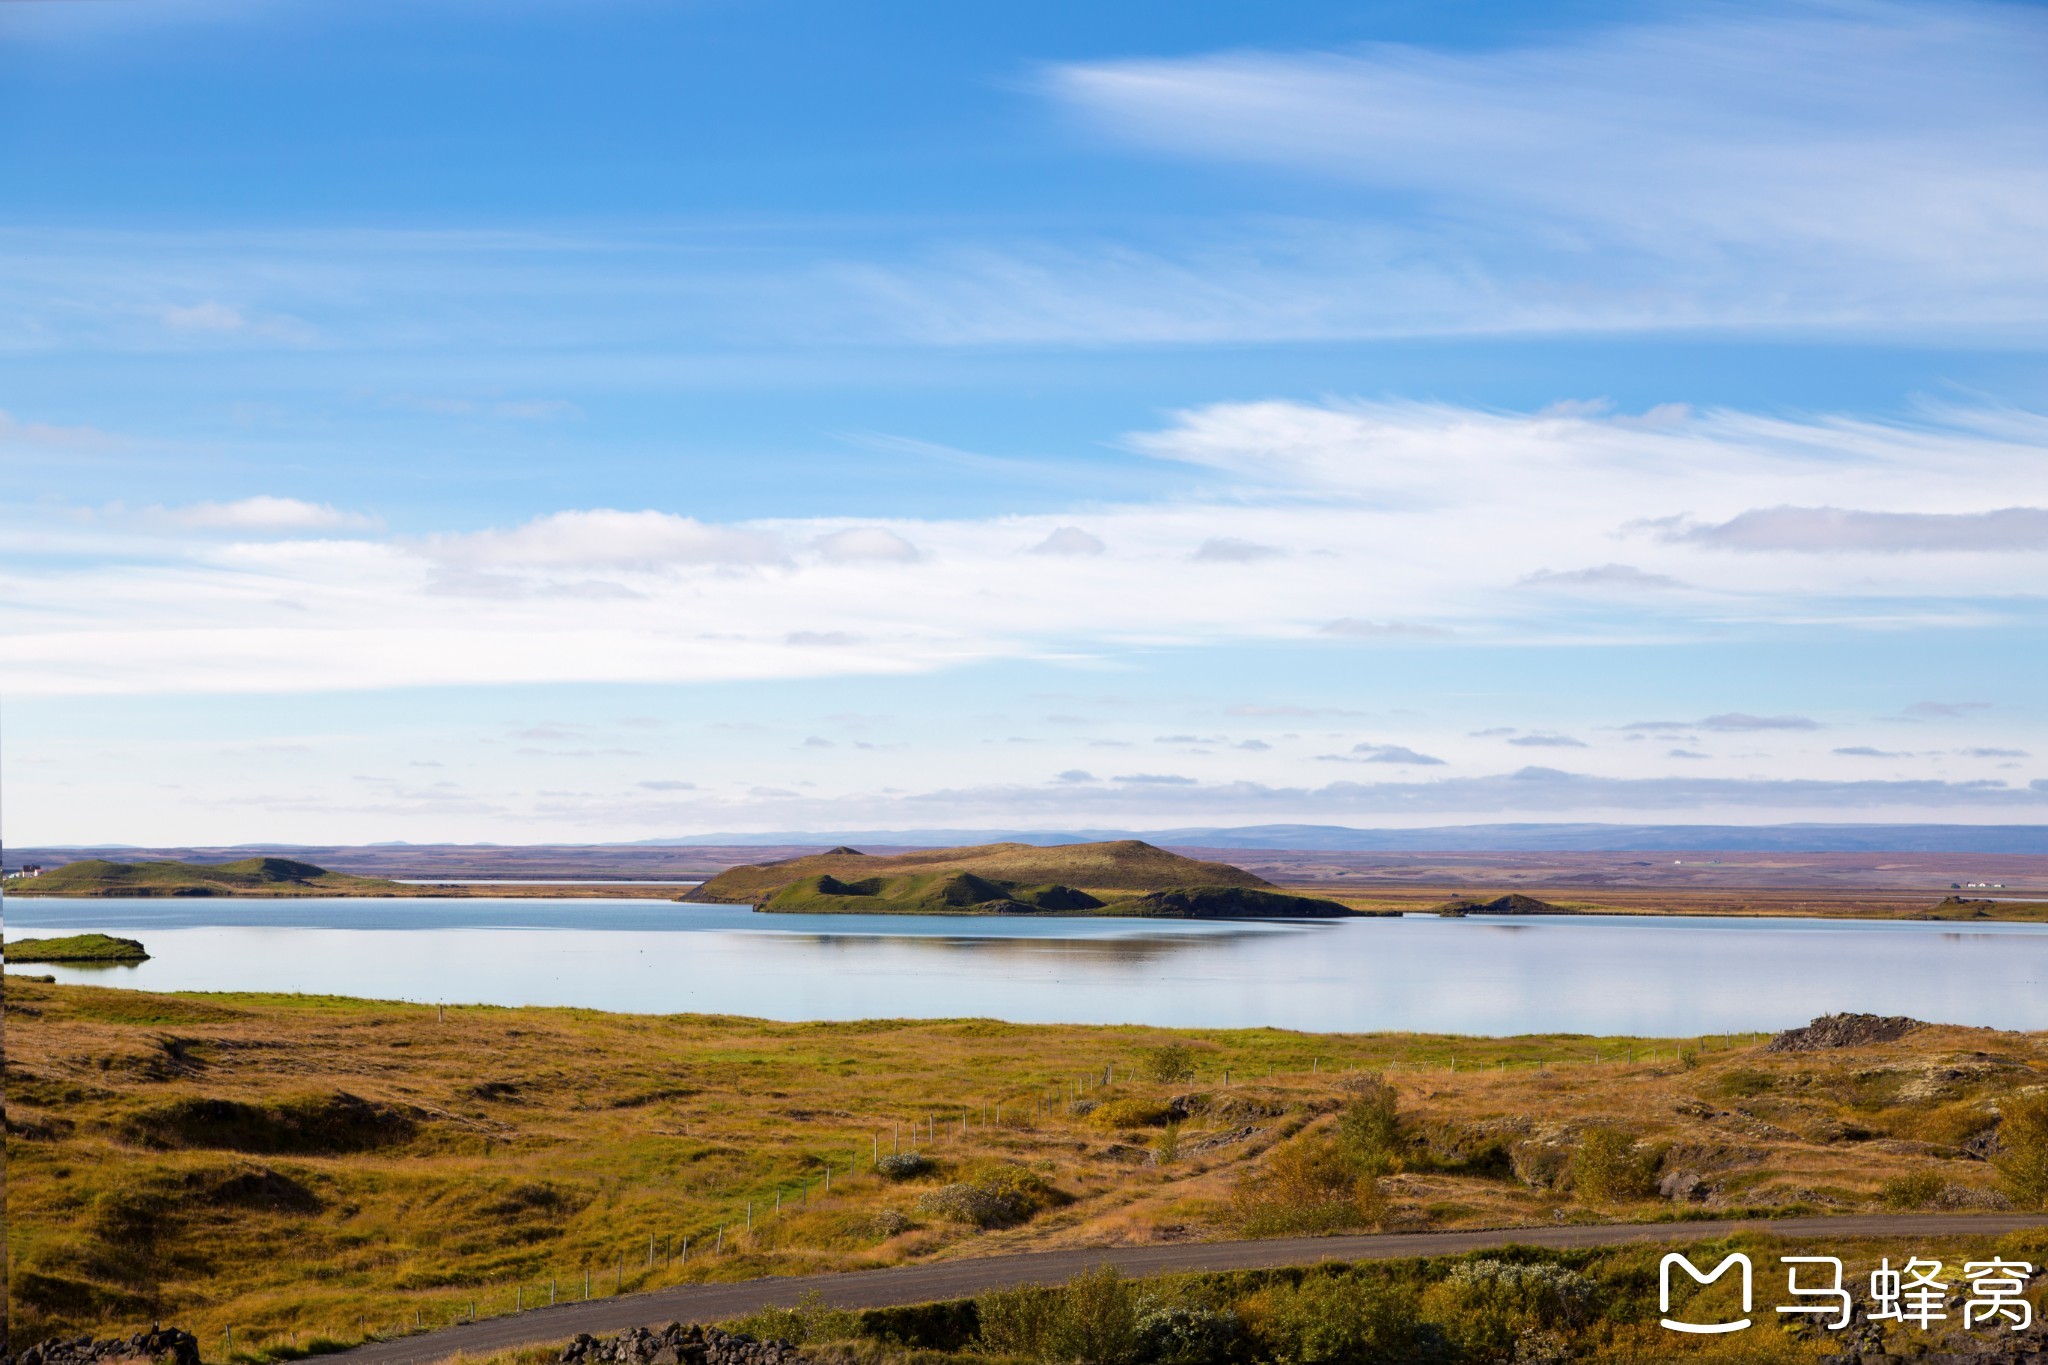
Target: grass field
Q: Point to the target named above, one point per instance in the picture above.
(288, 1167)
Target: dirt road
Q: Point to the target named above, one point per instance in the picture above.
(964, 1278)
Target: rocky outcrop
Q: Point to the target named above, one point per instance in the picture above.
(1514, 903)
(675, 1344)
(1844, 1030)
(166, 1344)
(1233, 902)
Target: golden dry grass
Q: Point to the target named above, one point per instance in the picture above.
(485, 1154)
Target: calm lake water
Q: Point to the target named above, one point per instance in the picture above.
(1639, 975)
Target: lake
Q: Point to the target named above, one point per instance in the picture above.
(1637, 975)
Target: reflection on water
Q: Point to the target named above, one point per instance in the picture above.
(1612, 974)
(1135, 949)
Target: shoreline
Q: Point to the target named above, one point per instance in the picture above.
(1872, 908)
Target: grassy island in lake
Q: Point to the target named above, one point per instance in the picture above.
(1119, 877)
(77, 948)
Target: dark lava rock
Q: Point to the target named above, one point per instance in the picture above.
(1233, 902)
(676, 1344)
(1844, 1030)
(166, 1344)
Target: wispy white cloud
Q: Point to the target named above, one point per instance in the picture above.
(1069, 540)
(1835, 530)
(606, 537)
(875, 544)
(1623, 576)
(1730, 721)
(263, 512)
(1389, 753)
(1413, 522)
(1355, 628)
(1740, 164)
(18, 434)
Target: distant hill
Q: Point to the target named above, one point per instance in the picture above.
(1514, 903)
(246, 877)
(1122, 865)
(1500, 838)
(1121, 877)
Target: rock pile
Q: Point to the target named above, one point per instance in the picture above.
(157, 1344)
(1844, 1030)
(675, 1344)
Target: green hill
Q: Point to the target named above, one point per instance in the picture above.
(1125, 877)
(1121, 865)
(923, 893)
(77, 948)
(246, 877)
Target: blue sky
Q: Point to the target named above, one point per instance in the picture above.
(615, 420)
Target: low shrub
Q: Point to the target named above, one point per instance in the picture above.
(1312, 1184)
(1171, 1064)
(903, 1165)
(1608, 1166)
(2022, 1160)
(1370, 1125)
(1915, 1191)
(1131, 1113)
(995, 1195)
(1539, 1165)
(963, 1203)
(1743, 1083)
(1182, 1334)
(810, 1321)
(1338, 1320)
(1489, 1308)
(1092, 1318)
(887, 1223)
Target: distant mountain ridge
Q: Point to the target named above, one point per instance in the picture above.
(1503, 838)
